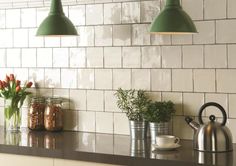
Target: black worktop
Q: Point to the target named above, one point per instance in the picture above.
(105, 148)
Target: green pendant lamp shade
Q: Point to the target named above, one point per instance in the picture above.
(56, 23)
(173, 20)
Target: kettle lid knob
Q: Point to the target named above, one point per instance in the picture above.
(212, 118)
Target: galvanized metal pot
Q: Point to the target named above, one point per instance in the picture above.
(138, 129)
(156, 129)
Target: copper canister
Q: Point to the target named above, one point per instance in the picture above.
(36, 113)
(53, 115)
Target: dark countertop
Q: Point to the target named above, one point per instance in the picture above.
(105, 148)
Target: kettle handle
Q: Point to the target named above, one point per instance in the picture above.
(216, 105)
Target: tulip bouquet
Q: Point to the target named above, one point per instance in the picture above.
(14, 94)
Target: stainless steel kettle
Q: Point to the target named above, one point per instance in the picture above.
(213, 136)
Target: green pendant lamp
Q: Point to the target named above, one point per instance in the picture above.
(173, 20)
(56, 23)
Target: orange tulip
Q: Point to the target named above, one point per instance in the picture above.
(1, 86)
(18, 88)
(4, 84)
(17, 82)
(29, 84)
(7, 79)
(12, 77)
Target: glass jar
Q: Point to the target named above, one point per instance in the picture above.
(36, 113)
(53, 115)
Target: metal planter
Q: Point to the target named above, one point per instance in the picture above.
(138, 130)
(156, 129)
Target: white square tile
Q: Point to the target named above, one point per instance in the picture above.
(212, 9)
(151, 57)
(35, 41)
(121, 124)
(103, 35)
(44, 92)
(6, 39)
(110, 102)
(193, 56)
(95, 100)
(225, 31)
(20, 37)
(112, 13)
(86, 36)
(182, 39)
(28, 17)
(231, 13)
(60, 57)
(52, 41)
(104, 122)
(2, 18)
(149, 10)
(160, 39)
(112, 57)
(130, 12)
(77, 14)
(44, 57)
(37, 77)
(204, 80)
(77, 57)
(206, 32)
(2, 57)
(86, 121)
(182, 80)
(171, 56)
(85, 78)
(4, 72)
(13, 18)
(21, 74)
(193, 8)
(222, 99)
(161, 80)
(91, 12)
(141, 79)
(181, 128)
(215, 56)
(155, 96)
(95, 57)
(121, 35)
(231, 56)
(70, 120)
(192, 103)
(13, 57)
(42, 13)
(121, 78)
(226, 80)
(77, 99)
(64, 93)
(69, 41)
(140, 34)
(103, 79)
(131, 57)
(68, 78)
(52, 78)
(28, 57)
(176, 98)
(232, 106)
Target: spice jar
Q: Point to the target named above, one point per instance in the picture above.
(36, 113)
(53, 115)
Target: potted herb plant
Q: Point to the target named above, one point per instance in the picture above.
(159, 116)
(134, 103)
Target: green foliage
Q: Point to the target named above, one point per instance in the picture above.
(133, 103)
(159, 112)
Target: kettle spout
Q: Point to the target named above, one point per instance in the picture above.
(194, 125)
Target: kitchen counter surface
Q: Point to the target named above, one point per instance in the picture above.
(105, 148)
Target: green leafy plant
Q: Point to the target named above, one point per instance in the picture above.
(133, 102)
(159, 111)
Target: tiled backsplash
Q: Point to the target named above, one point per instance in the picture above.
(114, 49)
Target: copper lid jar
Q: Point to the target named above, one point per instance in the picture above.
(36, 113)
(53, 115)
